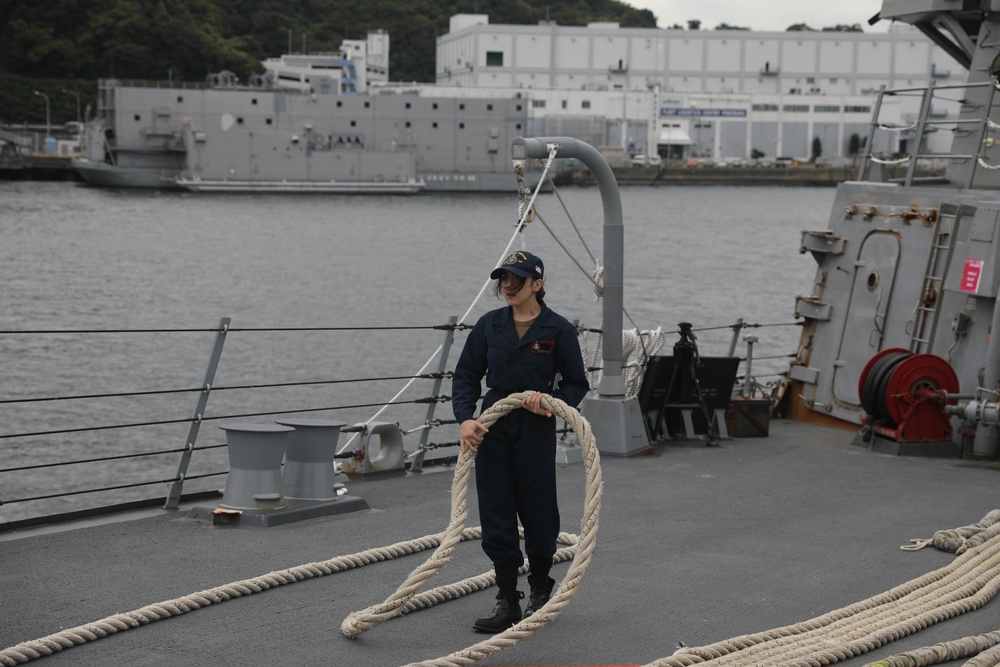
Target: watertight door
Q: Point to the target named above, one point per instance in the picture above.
(861, 338)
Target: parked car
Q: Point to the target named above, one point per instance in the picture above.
(643, 160)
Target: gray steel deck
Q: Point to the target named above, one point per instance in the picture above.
(695, 545)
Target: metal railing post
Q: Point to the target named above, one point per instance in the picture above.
(737, 329)
(174, 495)
(417, 463)
(925, 109)
(872, 126)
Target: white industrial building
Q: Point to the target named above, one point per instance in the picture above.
(709, 93)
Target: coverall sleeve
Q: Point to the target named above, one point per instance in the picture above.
(466, 383)
(573, 385)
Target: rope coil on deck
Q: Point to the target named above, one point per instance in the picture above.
(361, 621)
(969, 582)
(579, 549)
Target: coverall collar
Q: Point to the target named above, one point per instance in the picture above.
(505, 324)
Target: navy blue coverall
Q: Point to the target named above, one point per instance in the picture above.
(515, 464)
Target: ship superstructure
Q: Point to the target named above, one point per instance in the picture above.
(908, 267)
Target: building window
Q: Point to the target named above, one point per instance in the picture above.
(461, 126)
(489, 107)
(461, 107)
(826, 108)
(434, 106)
(339, 104)
(253, 101)
(796, 108)
(180, 98)
(565, 104)
(538, 104)
(850, 109)
(765, 107)
(368, 105)
(407, 105)
(585, 104)
(494, 58)
(267, 121)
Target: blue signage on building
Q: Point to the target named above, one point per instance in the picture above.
(704, 113)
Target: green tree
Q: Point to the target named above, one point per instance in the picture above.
(799, 27)
(841, 27)
(817, 149)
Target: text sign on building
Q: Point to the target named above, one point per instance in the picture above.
(971, 275)
(704, 113)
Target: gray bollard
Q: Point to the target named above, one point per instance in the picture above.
(255, 453)
(309, 472)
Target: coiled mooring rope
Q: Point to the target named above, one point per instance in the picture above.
(359, 622)
(579, 549)
(969, 582)
(959, 540)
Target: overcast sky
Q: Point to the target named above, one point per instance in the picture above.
(774, 15)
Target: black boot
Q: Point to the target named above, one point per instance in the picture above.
(541, 590)
(506, 613)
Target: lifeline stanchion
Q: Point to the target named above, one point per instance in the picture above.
(361, 621)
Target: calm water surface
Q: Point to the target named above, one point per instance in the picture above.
(75, 257)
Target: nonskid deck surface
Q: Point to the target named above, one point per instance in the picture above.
(696, 545)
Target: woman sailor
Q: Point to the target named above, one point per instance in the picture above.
(524, 346)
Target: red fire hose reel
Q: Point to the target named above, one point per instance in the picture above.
(904, 394)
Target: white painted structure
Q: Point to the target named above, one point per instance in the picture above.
(359, 62)
(682, 93)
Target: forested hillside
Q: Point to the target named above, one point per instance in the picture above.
(88, 39)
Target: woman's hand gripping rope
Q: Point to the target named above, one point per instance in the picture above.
(361, 621)
(471, 432)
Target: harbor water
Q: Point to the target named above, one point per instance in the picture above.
(385, 269)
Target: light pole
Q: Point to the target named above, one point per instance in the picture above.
(48, 117)
(77, 96)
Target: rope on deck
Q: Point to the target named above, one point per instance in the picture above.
(64, 639)
(960, 540)
(361, 621)
(110, 625)
(969, 582)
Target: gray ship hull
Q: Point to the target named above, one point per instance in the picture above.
(269, 135)
(108, 175)
(302, 187)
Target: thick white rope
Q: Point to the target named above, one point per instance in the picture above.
(968, 583)
(896, 128)
(361, 621)
(635, 341)
(110, 625)
(404, 600)
(959, 540)
(882, 160)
